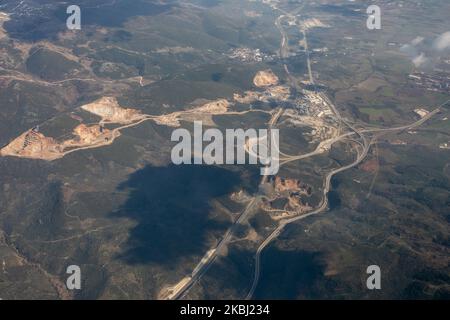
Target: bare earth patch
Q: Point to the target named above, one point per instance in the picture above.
(265, 78)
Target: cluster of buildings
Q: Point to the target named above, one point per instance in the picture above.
(250, 55)
(312, 104)
(437, 82)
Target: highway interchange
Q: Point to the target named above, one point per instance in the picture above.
(365, 138)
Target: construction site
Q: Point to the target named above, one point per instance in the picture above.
(287, 198)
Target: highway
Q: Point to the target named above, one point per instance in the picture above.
(209, 259)
(323, 146)
(327, 184)
(284, 223)
(203, 266)
(365, 144)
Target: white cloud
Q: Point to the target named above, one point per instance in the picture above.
(417, 41)
(442, 42)
(420, 60)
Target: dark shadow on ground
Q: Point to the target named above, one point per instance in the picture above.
(290, 275)
(172, 208)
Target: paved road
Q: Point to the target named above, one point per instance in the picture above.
(284, 223)
(320, 149)
(327, 185)
(208, 260)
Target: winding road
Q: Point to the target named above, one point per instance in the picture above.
(364, 147)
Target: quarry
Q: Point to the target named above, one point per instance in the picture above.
(34, 144)
(265, 78)
(111, 112)
(268, 81)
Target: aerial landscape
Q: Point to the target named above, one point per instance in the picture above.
(324, 151)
